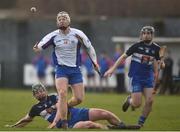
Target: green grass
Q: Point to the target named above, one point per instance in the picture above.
(15, 104)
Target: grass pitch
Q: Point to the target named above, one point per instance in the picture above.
(14, 104)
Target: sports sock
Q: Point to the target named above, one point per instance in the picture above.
(141, 120)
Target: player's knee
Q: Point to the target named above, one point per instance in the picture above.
(62, 93)
(136, 103)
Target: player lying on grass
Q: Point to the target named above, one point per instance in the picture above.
(77, 117)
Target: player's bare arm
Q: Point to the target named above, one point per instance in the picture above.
(90, 51)
(92, 54)
(155, 68)
(22, 122)
(116, 64)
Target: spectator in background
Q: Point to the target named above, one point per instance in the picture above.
(104, 62)
(120, 70)
(40, 62)
(167, 75)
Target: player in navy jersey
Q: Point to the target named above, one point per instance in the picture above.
(144, 61)
(77, 117)
(66, 42)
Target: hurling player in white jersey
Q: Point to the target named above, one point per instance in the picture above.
(67, 42)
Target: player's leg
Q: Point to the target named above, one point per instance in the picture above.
(89, 125)
(101, 114)
(148, 94)
(62, 88)
(61, 81)
(76, 82)
(135, 99)
(78, 94)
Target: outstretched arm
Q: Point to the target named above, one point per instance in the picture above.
(92, 55)
(116, 64)
(22, 122)
(89, 49)
(57, 117)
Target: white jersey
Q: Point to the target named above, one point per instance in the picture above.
(66, 47)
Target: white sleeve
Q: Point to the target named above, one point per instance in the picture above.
(46, 41)
(88, 46)
(92, 54)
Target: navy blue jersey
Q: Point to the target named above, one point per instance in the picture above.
(44, 108)
(143, 56)
(47, 110)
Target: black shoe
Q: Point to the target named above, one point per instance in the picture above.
(123, 126)
(126, 104)
(120, 125)
(133, 126)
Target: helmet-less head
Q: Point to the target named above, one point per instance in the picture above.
(63, 20)
(39, 91)
(147, 34)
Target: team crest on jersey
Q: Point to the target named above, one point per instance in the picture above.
(65, 41)
(147, 50)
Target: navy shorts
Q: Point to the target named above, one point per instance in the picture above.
(76, 115)
(73, 74)
(138, 84)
